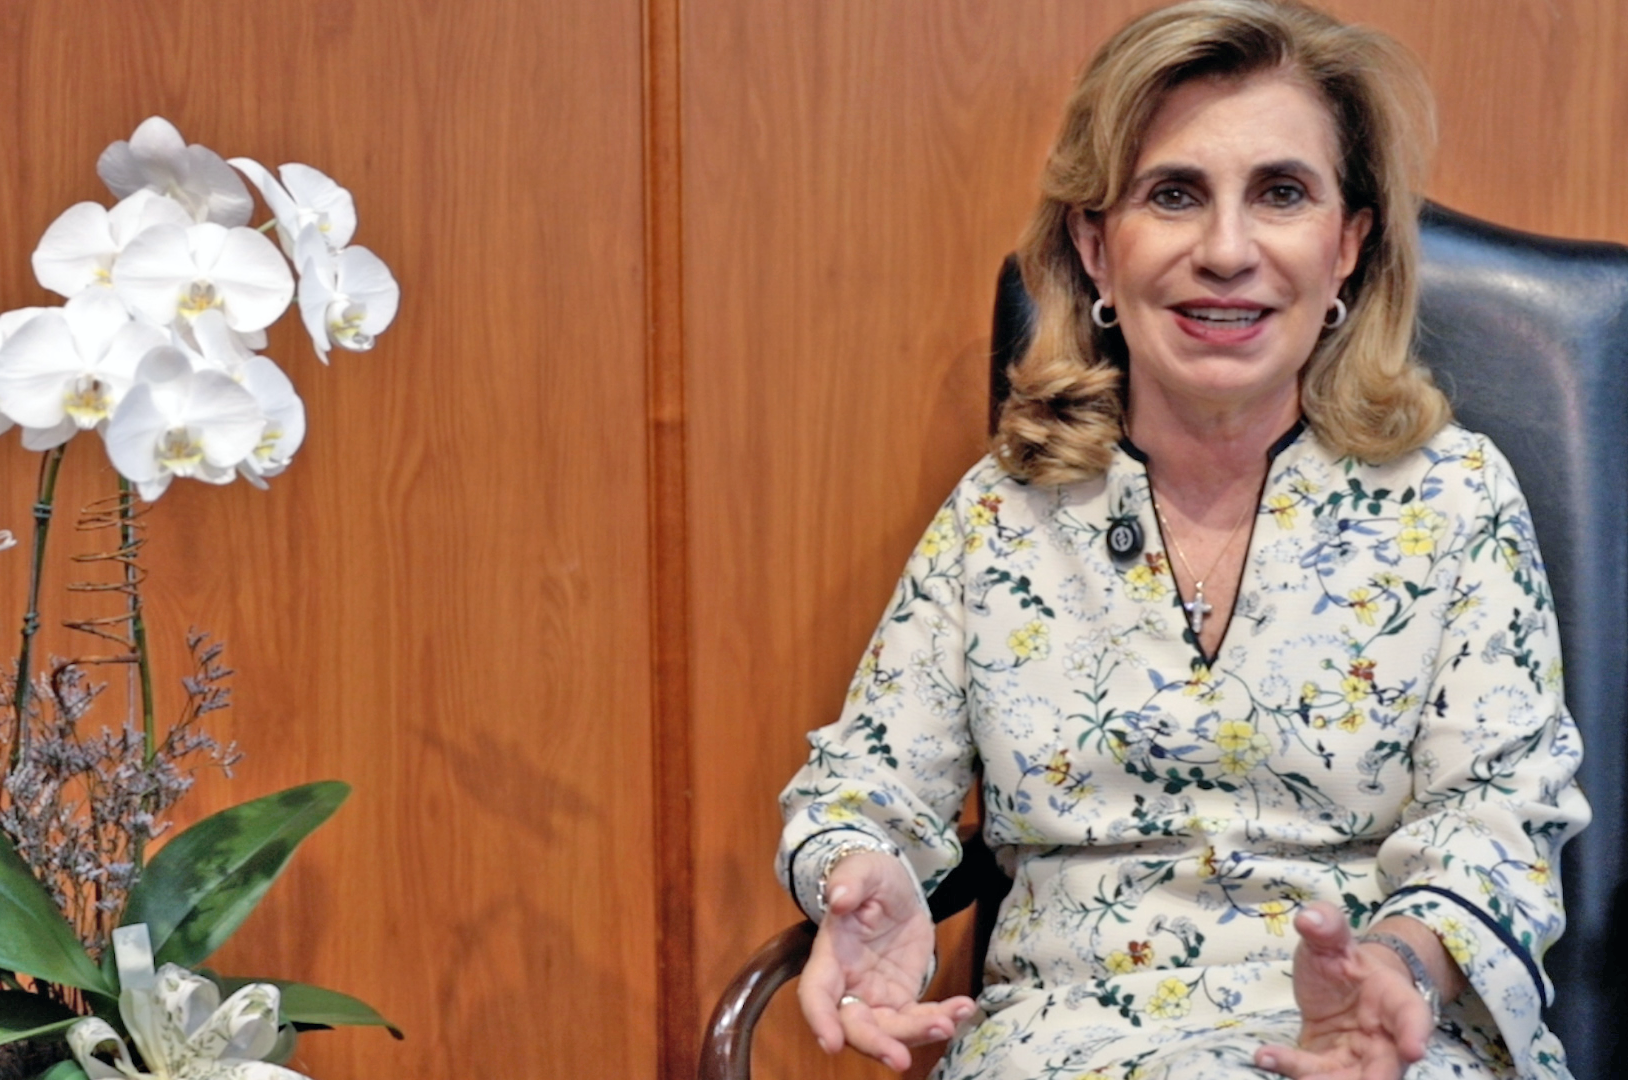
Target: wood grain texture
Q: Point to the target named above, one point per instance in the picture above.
(446, 600)
(678, 1009)
(853, 174)
(694, 288)
(1532, 99)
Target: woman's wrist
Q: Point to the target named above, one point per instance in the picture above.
(1423, 980)
(860, 842)
(1439, 970)
(809, 870)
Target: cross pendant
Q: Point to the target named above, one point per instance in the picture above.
(1197, 609)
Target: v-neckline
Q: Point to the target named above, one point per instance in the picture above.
(1283, 442)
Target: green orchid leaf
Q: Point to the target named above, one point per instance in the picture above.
(34, 937)
(201, 885)
(27, 1016)
(64, 1070)
(105, 1005)
(314, 1006)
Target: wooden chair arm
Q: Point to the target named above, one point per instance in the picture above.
(726, 1046)
(726, 1049)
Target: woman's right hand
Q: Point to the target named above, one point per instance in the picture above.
(875, 944)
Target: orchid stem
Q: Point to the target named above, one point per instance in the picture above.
(138, 640)
(50, 464)
(138, 625)
(268, 226)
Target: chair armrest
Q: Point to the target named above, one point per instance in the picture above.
(726, 1045)
(726, 1048)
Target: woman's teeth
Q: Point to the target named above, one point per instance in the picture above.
(1229, 316)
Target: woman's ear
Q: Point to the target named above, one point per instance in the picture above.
(1353, 231)
(1086, 232)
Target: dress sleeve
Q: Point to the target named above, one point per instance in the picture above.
(1494, 763)
(893, 771)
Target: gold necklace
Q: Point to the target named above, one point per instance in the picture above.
(1197, 607)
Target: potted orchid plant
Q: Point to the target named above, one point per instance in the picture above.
(157, 350)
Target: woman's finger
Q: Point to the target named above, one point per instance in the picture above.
(863, 1033)
(923, 1022)
(1299, 1064)
(862, 876)
(1323, 931)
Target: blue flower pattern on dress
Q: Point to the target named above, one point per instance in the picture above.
(1382, 728)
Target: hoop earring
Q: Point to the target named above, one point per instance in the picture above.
(1339, 315)
(1096, 315)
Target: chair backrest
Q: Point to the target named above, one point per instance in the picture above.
(1528, 335)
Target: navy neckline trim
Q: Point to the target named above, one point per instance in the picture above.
(1282, 443)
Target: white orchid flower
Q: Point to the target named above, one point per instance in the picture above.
(156, 157)
(180, 421)
(212, 344)
(168, 273)
(347, 298)
(10, 323)
(79, 248)
(219, 349)
(66, 369)
(179, 1024)
(285, 421)
(14, 320)
(306, 196)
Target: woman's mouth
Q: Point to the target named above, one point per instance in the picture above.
(1222, 326)
(1224, 317)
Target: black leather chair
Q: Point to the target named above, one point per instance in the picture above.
(1529, 337)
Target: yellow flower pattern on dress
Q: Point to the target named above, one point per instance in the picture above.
(1203, 687)
(1457, 940)
(1363, 605)
(941, 536)
(1418, 535)
(1030, 642)
(1553, 674)
(1142, 582)
(846, 806)
(1276, 913)
(1172, 1000)
(1282, 509)
(1390, 665)
(1242, 747)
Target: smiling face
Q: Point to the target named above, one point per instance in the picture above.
(1228, 248)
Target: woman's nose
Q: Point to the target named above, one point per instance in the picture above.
(1226, 247)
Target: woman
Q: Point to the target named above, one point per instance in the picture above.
(1242, 633)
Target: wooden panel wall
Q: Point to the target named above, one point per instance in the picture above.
(445, 600)
(693, 337)
(854, 174)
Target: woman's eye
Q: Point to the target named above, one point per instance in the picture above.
(1285, 195)
(1170, 198)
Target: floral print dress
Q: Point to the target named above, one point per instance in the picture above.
(1381, 728)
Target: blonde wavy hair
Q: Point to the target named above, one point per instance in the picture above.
(1362, 391)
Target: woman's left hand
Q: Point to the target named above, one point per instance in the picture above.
(1361, 1017)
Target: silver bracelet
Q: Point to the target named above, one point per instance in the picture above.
(842, 851)
(1422, 980)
